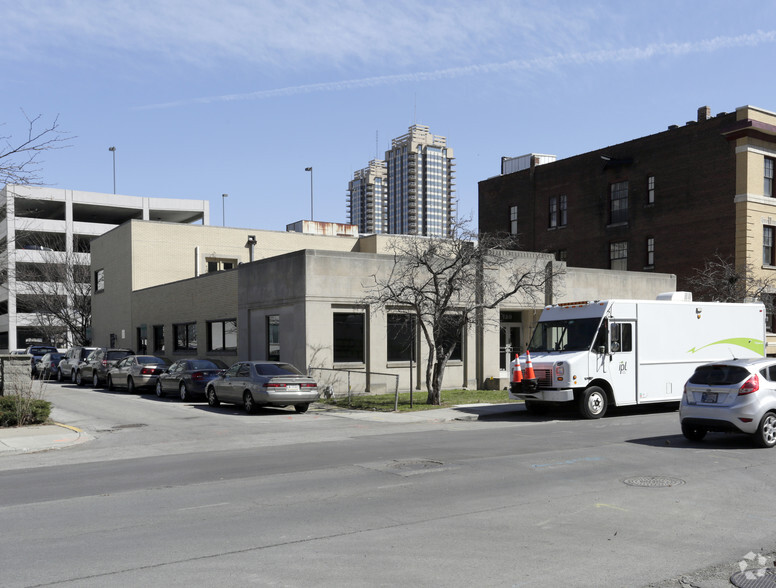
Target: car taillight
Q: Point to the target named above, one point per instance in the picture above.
(197, 376)
(313, 385)
(275, 385)
(146, 370)
(751, 385)
(104, 363)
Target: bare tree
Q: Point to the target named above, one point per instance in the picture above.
(447, 284)
(720, 280)
(19, 158)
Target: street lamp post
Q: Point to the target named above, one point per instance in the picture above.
(310, 169)
(113, 150)
(223, 209)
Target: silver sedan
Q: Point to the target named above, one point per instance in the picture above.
(136, 371)
(263, 383)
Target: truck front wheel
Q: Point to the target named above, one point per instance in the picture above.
(593, 403)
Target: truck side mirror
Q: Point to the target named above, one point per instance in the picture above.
(615, 346)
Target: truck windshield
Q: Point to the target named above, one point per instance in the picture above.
(568, 335)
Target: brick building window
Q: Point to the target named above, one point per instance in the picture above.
(513, 220)
(651, 190)
(650, 251)
(561, 254)
(618, 255)
(562, 210)
(768, 258)
(618, 203)
(553, 212)
(768, 179)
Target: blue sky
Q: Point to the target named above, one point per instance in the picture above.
(202, 98)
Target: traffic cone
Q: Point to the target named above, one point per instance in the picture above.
(517, 372)
(529, 371)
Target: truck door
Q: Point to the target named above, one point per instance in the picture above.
(622, 361)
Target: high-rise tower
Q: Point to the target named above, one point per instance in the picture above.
(368, 198)
(411, 192)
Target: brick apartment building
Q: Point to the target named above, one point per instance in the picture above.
(662, 203)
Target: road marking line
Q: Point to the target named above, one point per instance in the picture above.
(204, 506)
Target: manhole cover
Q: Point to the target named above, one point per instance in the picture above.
(414, 465)
(653, 481)
(762, 578)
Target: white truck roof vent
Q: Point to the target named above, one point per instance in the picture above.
(676, 296)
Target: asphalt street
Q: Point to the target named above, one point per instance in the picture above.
(170, 493)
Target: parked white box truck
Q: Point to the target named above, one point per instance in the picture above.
(625, 352)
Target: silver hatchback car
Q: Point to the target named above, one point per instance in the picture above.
(737, 395)
(262, 383)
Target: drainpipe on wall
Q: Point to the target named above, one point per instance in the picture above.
(196, 261)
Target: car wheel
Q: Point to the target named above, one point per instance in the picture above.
(130, 385)
(248, 403)
(95, 380)
(301, 408)
(184, 393)
(212, 399)
(60, 377)
(766, 432)
(110, 383)
(693, 432)
(79, 378)
(72, 376)
(592, 403)
(159, 391)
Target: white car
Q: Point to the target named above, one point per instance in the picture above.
(737, 395)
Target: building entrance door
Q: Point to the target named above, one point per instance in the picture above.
(510, 342)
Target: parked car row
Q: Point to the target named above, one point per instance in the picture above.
(246, 383)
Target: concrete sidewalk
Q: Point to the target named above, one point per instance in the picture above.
(40, 438)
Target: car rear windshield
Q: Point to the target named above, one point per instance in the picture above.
(150, 359)
(719, 375)
(117, 354)
(276, 369)
(203, 364)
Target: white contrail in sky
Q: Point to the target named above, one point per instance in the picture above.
(538, 64)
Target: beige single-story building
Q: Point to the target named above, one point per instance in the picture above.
(178, 290)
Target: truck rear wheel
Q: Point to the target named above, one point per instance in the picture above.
(593, 403)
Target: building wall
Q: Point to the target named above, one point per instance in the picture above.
(694, 167)
(142, 254)
(211, 297)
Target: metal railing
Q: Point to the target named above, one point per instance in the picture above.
(368, 384)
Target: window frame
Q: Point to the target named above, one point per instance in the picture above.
(189, 329)
(618, 202)
(650, 251)
(768, 164)
(99, 280)
(615, 261)
(650, 189)
(347, 348)
(224, 335)
(769, 248)
(513, 217)
(400, 346)
(552, 212)
(273, 320)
